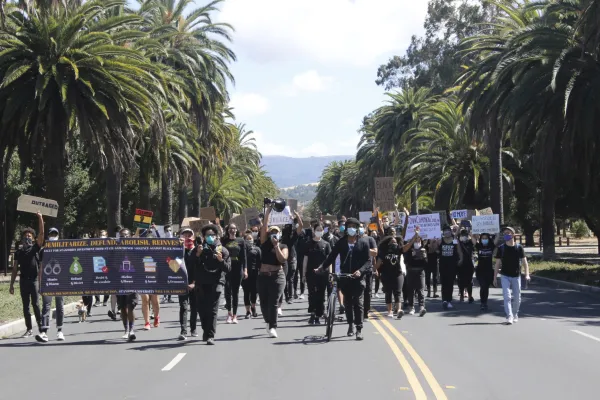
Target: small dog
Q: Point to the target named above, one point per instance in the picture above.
(82, 311)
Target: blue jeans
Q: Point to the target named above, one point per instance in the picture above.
(512, 303)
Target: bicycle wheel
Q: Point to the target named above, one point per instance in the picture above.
(330, 315)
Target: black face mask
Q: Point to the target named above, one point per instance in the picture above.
(393, 247)
(27, 242)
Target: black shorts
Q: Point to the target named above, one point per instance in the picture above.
(127, 300)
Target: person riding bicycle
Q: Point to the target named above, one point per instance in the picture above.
(355, 259)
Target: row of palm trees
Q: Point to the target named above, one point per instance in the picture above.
(523, 111)
(140, 89)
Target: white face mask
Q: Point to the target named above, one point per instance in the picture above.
(318, 234)
(296, 226)
(169, 234)
(53, 238)
(464, 238)
(254, 235)
(417, 246)
(103, 237)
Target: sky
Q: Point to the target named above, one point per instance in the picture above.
(306, 69)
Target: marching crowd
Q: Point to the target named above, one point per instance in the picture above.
(270, 264)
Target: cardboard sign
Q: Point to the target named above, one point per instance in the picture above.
(331, 218)
(459, 214)
(240, 223)
(33, 204)
(293, 204)
(208, 213)
(142, 218)
(485, 211)
(384, 194)
(197, 224)
(187, 222)
(365, 216)
(429, 225)
(251, 216)
(486, 224)
(399, 218)
(281, 218)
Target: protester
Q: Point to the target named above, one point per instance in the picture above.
(236, 246)
(450, 258)
(416, 261)
(271, 278)
(391, 272)
(316, 253)
(466, 269)
(148, 299)
(290, 236)
(212, 266)
(369, 275)
(127, 303)
(509, 257)
(27, 260)
(250, 283)
(432, 269)
(187, 302)
(485, 271)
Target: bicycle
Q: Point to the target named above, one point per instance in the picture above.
(331, 303)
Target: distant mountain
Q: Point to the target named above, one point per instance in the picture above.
(303, 193)
(289, 171)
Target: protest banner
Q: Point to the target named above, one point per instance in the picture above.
(33, 205)
(142, 218)
(208, 213)
(365, 216)
(109, 266)
(485, 211)
(384, 194)
(486, 224)
(281, 218)
(459, 214)
(429, 224)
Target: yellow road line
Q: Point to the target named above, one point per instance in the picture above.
(433, 383)
(410, 373)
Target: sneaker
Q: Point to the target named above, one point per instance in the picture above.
(210, 341)
(377, 296)
(405, 304)
(509, 320)
(248, 314)
(194, 333)
(462, 298)
(279, 311)
(272, 333)
(350, 331)
(429, 293)
(182, 336)
(317, 321)
(147, 326)
(516, 319)
(132, 336)
(152, 316)
(445, 305)
(204, 337)
(301, 297)
(234, 320)
(163, 300)
(89, 314)
(471, 300)
(359, 335)
(103, 304)
(42, 337)
(156, 322)
(412, 311)
(435, 295)
(482, 307)
(229, 319)
(400, 314)
(126, 335)
(450, 306)
(342, 310)
(60, 336)
(295, 296)
(289, 301)
(423, 312)
(311, 321)
(171, 301)
(391, 314)
(28, 334)
(112, 315)
(254, 313)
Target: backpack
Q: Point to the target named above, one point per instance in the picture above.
(501, 249)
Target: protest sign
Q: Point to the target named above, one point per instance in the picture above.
(459, 214)
(142, 218)
(33, 204)
(198, 223)
(208, 213)
(239, 221)
(443, 217)
(485, 211)
(331, 218)
(429, 225)
(365, 216)
(187, 223)
(486, 224)
(384, 194)
(281, 218)
(399, 218)
(293, 204)
(109, 266)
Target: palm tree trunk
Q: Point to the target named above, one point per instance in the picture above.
(183, 201)
(166, 209)
(113, 198)
(4, 242)
(496, 190)
(144, 189)
(548, 215)
(54, 177)
(196, 185)
(414, 200)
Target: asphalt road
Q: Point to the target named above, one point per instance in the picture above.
(462, 354)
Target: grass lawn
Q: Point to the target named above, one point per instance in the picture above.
(577, 273)
(11, 307)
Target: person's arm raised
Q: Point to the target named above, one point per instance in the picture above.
(264, 228)
(41, 235)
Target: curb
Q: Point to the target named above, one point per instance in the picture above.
(18, 326)
(566, 285)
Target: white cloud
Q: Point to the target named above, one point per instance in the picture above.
(248, 104)
(309, 81)
(315, 149)
(329, 31)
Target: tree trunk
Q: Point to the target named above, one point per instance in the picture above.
(548, 216)
(54, 177)
(166, 209)
(414, 200)
(183, 201)
(144, 189)
(4, 247)
(496, 193)
(529, 239)
(196, 185)
(113, 199)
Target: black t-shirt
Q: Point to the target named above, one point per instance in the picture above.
(416, 258)
(448, 254)
(237, 253)
(254, 256)
(391, 266)
(316, 252)
(485, 255)
(291, 240)
(268, 255)
(28, 261)
(511, 257)
(467, 249)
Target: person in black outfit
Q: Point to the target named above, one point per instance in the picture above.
(271, 278)
(330, 237)
(450, 259)
(188, 302)
(27, 261)
(212, 266)
(465, 274)
(485, 268)
(355, 259)
(391, 272)
(316, 253)
(369, 276)
(415, 256)
(249, 285)
(236, 246)
(290, 235)
(432, 269)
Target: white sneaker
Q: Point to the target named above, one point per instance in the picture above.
(509, 320)
(126, 335)
(516, 319)
(450, 306)
(229, 319)
(42, 337)
(60, 336)
(234, 320)
(301, 297)
(272, 333)
(391, 314)
(132, 336)
(412, 311)
(279, 311)
(376, 295)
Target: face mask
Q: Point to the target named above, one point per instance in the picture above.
(103, 236)
(352, 231)
(447, 234)
(417, 246)
(508, 238)
(342, 228)
(326, 230)
(275, 236)
(393, 247)
(210, 239)
(254, 235)
(484, 242)
(361, 231)
(296, 226)
(188, 243)
(53, 238)
(169, 234)
(318, 234)
(464, 238)
(250, 243)
(27, 242)
(374, 234)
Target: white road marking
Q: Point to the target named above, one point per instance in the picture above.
(174, 362)
(586, 335)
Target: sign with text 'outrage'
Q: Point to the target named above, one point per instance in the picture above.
(33, 204)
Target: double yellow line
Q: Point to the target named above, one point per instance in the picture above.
(414, 382)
